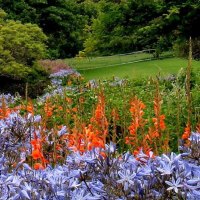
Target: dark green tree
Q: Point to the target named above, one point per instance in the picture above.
(63, 21)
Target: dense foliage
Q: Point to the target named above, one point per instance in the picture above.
(107, 27)
(63, 21)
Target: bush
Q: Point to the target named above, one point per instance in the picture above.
(20, 46)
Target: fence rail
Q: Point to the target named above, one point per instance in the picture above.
(86, 63)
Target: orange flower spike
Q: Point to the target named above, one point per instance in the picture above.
(136, 110)
(187, 132)
(133, 128)
(48, 108)
(158, 120)
(30, 108)
(99, 120)
(137, 113)
(98, 113)
(162, 123)
(4, 109)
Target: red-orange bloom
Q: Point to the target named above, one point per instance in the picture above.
(48, 108)
(159, 123)
(187, 132)
(36, 143)
(36, 154)
(38, 166)
(30, 108)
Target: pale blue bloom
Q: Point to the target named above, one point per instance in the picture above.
(174, 184)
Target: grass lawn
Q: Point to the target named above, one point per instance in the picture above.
(82, 63)
(140, 69)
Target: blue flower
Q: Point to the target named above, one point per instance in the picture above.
(167, 168)
(174, 185)
(126, 178)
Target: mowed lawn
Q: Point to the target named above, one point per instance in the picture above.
(139, 69)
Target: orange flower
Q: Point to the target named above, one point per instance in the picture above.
(36, 143)
(38, 166)
(74, 109)
(48, 108)
(159, 122)
(137, 123)
(186, 133)
(68, 99)
(4, 113)
(36, 154)
(60, 108)
(103, 154)
(81, 100)
(130, 140)
(4, 110)
(30, 108)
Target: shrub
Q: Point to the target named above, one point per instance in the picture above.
(20, 46)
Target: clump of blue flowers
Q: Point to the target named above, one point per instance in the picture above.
(103, 174)
(9, 99)
(59, 83)
(58, 78)
(192, 152)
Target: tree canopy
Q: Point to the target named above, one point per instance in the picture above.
(108, 26)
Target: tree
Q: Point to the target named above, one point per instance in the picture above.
(62, 21)
(115, 28)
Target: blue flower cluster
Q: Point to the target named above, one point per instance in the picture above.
(57, 77)
(9, 99)
(103, 174)
(58, 84)
(15, 134)
(192, 152)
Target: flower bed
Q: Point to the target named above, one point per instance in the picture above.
(104, 174)
(73, 143)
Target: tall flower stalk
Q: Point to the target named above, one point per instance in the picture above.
(136, 132)
(186, 133)
(155, 133)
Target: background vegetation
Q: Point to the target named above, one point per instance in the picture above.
(33, 30)
(109, 26)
